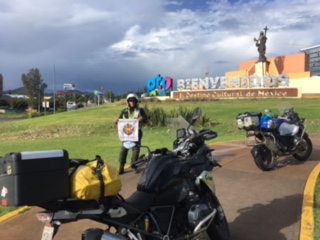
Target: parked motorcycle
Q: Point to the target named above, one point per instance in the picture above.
(276, 136)
(175, 197)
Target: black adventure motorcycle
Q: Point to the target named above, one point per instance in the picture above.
(276, 136)
(175, 197)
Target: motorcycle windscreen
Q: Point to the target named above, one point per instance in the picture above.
(159, 173)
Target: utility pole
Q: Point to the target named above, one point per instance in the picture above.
(54, 88)
(39, 89)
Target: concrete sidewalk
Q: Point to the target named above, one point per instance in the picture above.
(258, 205)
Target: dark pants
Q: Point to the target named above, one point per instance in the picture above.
(135, 152)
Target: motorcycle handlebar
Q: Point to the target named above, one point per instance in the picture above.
(205, 134)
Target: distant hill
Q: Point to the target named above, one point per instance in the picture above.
(18, 91)
(21, 91)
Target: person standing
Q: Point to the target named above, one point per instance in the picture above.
(132, 111)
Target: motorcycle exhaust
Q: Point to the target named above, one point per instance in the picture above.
(110, 236)
(97, 233)
(271, 144)
(91, 234)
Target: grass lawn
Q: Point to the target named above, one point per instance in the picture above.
(87, 132)
(316, 212)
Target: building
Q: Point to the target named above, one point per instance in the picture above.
(314, 59)
(295, 65)
(291, 76)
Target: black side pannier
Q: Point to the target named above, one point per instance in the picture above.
(28, 178)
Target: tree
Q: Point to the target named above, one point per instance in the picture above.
(4, 104)
(86, 98)
(109, 95)
(34, 87)
(78, 98)
(20, 104)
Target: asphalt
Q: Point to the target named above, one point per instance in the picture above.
(275, 205)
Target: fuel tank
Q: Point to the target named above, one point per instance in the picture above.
(165, 176)
(159, 173)
(288, 129)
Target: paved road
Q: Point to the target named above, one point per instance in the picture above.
(258, 205)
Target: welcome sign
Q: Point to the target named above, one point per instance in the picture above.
(238, 94)
(253, 81)
(159, 86)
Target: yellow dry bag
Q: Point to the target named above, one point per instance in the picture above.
(94, 180)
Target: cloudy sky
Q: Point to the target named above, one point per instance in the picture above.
(120, 44)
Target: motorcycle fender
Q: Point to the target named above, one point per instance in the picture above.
(206, 178)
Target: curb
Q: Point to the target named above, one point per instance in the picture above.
(307, 217)
(14, 213)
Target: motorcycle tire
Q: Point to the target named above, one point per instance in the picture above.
(219, 228)
(265, 160)
(305, 151)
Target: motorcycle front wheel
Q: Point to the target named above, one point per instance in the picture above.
(265, 160)
(219, 228)
(304, 149)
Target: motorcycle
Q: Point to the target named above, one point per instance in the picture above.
(175, 197)
(276, 136)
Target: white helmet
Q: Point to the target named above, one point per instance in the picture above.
(134, 97)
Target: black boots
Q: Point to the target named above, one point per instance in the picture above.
(121, 169)
(135, 170)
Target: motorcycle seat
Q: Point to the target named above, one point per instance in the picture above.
(141, 200)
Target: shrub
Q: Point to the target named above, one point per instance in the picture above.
(157, 117)
(20, 104)
(33, 113)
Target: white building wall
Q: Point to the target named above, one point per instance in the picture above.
(307, 85)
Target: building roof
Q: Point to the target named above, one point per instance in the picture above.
(308, 48)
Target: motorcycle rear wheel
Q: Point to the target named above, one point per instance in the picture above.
(305, 150)
(265, 160)
(219, 228)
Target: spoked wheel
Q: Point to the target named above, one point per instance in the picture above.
(265, 160)
(219, 228)
(304, 149)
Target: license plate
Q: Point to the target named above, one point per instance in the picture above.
(47, 233)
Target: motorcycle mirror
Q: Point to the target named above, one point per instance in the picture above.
(196, 115)
(128, 144)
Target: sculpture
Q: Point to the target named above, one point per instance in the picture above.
(261, 44)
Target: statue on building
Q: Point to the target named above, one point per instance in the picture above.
(261, 45)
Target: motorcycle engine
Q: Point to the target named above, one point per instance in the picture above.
(197, 213)
(289, 143)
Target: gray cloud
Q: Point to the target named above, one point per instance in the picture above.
(119, 45)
